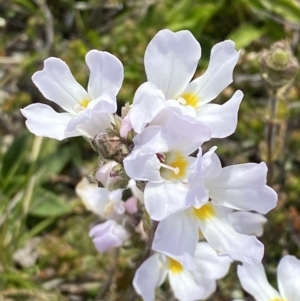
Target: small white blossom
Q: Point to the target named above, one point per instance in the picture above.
(161, 156)
(187, 285)
(87, 112)
(170, 61)
(177, 236)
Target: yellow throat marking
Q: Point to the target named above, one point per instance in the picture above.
(85, 102)
(176, 160)
(191, 99)
(207, 211)
(174, 266)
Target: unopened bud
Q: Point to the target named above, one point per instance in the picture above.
(108, 235)
(107, 174)
(278, 65)
(110, 146)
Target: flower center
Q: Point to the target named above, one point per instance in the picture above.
(173, 165)
(190, 99)
(85, 102)
(82, 105)
(175, 170)
(207, 211)
(175, 267)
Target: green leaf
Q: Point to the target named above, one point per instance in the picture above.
(287, 9)
(48, 204)
(245, 34)
(14, 155)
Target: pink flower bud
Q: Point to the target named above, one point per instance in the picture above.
(131, 205)
(108, 235)
(103, 174)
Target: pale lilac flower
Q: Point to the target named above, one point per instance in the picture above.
(87, 112)
(170, 61)
(254, 281)
(108, 235)
(187, 285)
(161, 156)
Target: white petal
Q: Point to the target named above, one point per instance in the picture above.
(224, 239)
(182, 109)
(187, 288)
(176, 236)
(154, 139)
(106, 73)
(254, 281)
(288, 275)
(214, 169)
(188, 134)
(163, 116)
(248, 223)
(148, 277)
(106, 102)
(42, 120)
(137, 192)
(221, 119)
(57, 83)
(164, 199)
(209, 264)
(198, 194)
(171, 60)
(104, 176)
(243, 187)
(177, 132)
(94, 198)
(90, 123)
(218, 75)
(147, 103)
(143, 166)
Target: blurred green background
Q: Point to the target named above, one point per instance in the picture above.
(45, 252)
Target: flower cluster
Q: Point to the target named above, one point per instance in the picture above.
(152, 164)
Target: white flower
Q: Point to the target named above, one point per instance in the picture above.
(241, 186)
(108, 204)
(161, 157)
(186, 285)
(108, 235)
(101, 201)
(254, 281)
(177, 236)
(170, 61)
(87, 112)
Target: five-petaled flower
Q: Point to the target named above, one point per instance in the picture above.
(171, 59)
(87, 112)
